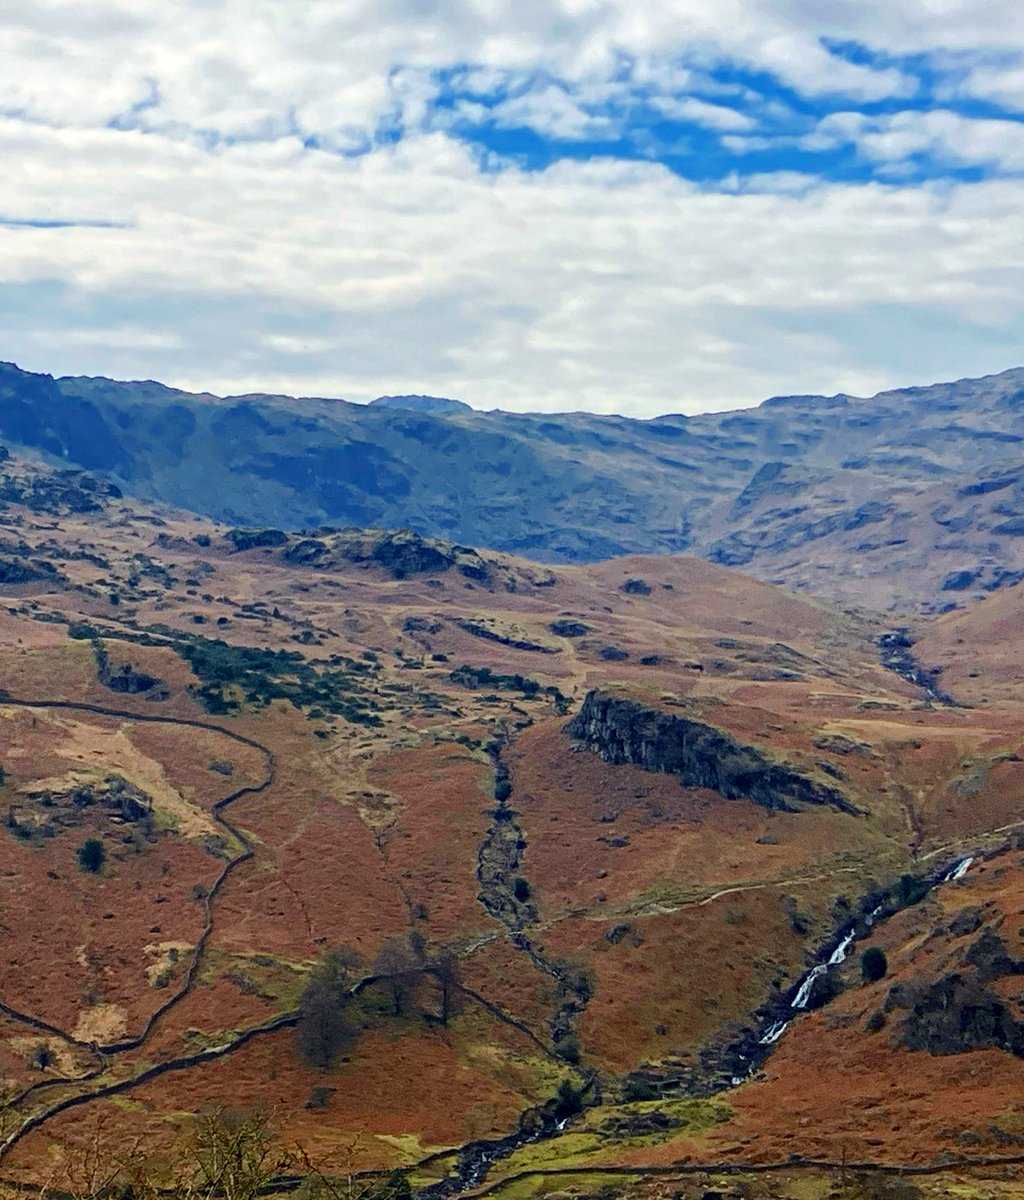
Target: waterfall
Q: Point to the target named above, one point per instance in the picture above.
(958, 871)
(841, 952)
(804, 991)
(774, 1033)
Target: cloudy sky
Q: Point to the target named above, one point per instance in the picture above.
(619, 205)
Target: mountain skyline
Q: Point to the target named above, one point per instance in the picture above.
(450, 405)
(908, 500)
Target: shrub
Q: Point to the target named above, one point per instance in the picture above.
(634, 1090)
(395, 1186)
(569, 629)
(911, 890)
(636, 587)
(875, 1022)
(319, 1097)
(91, 856)
(43, 1057)
(521, 889)
(568, 1049)
(502, 790)
(568, 1100)
(873, 964)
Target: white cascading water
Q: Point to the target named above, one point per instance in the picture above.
(774, 1033)
(959, 871)
(842, 951)
(838, 956)
(804, 993)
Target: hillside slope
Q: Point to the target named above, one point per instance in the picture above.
(620, 808)
(911, 499)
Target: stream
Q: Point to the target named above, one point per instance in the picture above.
(896, 649)
(799, 995)
(737, 1063)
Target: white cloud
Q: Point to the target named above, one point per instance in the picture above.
(942, 135)
(603, 285)
(248, 259)
(125, 337)
(551, 112)
(700, 112)
(298, 344)
(1000, 83)
(248, 67)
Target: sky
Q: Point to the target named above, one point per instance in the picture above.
(633, 206)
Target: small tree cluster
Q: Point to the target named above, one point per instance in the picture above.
(414, 980)
(228, 1156)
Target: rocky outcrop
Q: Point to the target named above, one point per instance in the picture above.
(55, 493)
(623, 731)
(569, 629)
(959, 1011)
(16, 572)
(404, 553)
(306, 552)
(489, 634)
(257, 539)
(49, 812)
(956, 1014)
(126, 680)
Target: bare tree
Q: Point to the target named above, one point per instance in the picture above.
(444, 967)
(350, 1183)
(232, 1158)
(326, 1026)
(400, 966)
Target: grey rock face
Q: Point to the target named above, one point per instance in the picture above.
(622, 731)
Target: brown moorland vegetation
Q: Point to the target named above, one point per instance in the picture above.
(283, 750)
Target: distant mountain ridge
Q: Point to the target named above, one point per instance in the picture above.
(910, 499)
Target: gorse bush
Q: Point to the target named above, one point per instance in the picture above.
(476, 678)
(569, 1100)
(231, 676)
(873, 964)
(261, 676)
(91, 856)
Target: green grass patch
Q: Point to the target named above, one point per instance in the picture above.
(601, 1135)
